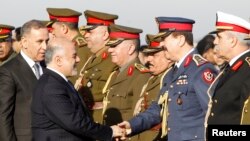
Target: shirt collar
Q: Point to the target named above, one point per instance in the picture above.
(237, 57)
(178, 64)
(30, 62)
(58, 73)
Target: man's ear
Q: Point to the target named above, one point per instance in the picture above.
(105, 35)
(182, 40)
(58, 60)
(24, 42)
(233, 41)
(65, 29)
(132, 48)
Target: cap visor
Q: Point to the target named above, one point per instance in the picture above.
(162, 35)
(114, 42)
(87, 27)
(247, 38)
(151, 50)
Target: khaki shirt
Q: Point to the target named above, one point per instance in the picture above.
(122, 92)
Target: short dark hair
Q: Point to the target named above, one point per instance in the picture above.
(188, 36)
(206, 43)
(32, 24)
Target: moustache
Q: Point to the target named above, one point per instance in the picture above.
(147, 64)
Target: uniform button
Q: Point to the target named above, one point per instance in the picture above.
(105, 116)
(85, 71)
(179, 92)
(117, 95)
(212, 114)
(171, 86)
(195, 136)
(169, 99)
(146, 93)
(215, 101)
(111, 88)
(93, 74)
(245, 111)
(168, 129)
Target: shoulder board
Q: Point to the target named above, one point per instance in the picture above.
(80, 41)
(199, 60)
(248, 60)
(141, 68)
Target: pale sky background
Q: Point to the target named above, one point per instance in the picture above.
(133, 13)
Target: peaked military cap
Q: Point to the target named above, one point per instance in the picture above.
(119, 33)
(95, 19)
(5, 31)
(63, 15)
(153, 44)
(167, 25)
(248, 37)
(230, 22)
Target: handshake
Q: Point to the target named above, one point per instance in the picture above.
(121, 130)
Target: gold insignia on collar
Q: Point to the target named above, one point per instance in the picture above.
(80, 42)
(248, 60)
(141, 68)
(199, 60)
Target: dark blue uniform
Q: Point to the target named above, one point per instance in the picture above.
(187, 101)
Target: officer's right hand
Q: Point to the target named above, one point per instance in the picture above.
(126, 125)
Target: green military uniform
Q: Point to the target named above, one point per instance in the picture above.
(5, 36)
(125, 84)
(12, 55)
(245, 117)
(150, 92)
(121, 92)
(94, 74)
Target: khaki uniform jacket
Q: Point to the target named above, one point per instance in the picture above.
(148, 95)
(96, 73)
(245, 118)
(123, 90)
(8, 59)
(83, 52)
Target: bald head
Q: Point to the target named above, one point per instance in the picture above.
(57, 46)
(61, 56)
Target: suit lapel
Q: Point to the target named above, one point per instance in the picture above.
(24, 66)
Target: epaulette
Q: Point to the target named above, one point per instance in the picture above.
(141, 68)
(248, 60)
(199, 60)
(80, 41)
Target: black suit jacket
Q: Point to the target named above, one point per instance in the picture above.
(59, 114)
(229, 95)
(17, 82)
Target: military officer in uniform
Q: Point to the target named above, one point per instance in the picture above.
(228, 93)
(6, 51)
(158, 66)
(64, 23)
(183, 97)
(245, 116)
(125, 84)
(96, 70)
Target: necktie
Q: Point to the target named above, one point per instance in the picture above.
(37, 70)
(175, 69)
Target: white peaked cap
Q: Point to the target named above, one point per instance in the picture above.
(230, 22)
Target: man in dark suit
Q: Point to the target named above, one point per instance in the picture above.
(17, 80)
(58, 112)
(228, 92)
